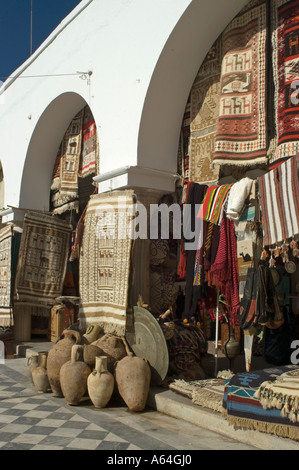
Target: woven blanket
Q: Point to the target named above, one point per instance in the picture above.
(207, 393)
(213, 203)
(282, 394)
(105, 261)
(204, 110)
(279, 200)
(241, 127)
(9, 247)
(285, 42)
(42, 260)
(244, 409)
(66, 168)
(89, 154)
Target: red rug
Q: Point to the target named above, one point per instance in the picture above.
(285, 42)
(241, 127)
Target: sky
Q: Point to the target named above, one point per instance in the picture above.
(15, 28)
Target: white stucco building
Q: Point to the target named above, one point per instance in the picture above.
(133, 62)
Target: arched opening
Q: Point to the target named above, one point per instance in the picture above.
(42, 149)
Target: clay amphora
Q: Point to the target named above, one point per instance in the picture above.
(92, 333)
(133, 377)
(73, 377)
(39, 373)
(32, 362)
(59, 355)
(90, 351)
(112, 347)
(100, 383)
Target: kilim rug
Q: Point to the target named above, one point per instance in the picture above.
(244, 410)
(65, 177)
(279, 200)
(241, 127)
(285, 42)
(42, 260)
(89, 154)
(205, 95)
(207, 393)
(105, 261)
(9, 247)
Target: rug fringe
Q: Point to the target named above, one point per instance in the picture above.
(242, 163)
(270, 428)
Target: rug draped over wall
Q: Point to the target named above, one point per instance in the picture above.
(105, 261)
(9, 247)
(285, 42)
(42, 260)
(204, 113)
(241, 136)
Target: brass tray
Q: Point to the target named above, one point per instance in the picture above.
(147, 340)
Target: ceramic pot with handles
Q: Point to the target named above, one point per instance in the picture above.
(40, 375)
(73, 376)
(59, 355)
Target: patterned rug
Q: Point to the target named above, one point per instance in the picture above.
(42, 260)
(207, 393)
(105, 262)
(204, 113)
(89, 155)
(279, 200)
(243, 408)
(241, 127)
(9, 247)
(285, 42)
(65, 175)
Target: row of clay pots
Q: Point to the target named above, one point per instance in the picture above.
(64, 371)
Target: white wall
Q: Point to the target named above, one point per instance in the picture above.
(143, 54)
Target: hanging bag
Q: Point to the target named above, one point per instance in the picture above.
(247, 314)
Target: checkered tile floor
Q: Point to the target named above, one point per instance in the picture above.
(33, 421)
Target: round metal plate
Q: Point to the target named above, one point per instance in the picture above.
(148, 342)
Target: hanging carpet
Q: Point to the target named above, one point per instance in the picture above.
(204, 110)
(9, 247)
(42, 260)
(105, 261)
(285, 44)
(241, 127)
(279, 200)
(88, 163)
(65, 175)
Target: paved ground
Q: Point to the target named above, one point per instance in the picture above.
(34, 421)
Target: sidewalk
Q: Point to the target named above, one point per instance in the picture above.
(174, 405)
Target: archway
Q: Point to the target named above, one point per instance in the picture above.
(42, 149)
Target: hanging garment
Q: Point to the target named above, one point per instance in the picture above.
(238, 194)
(196, 195)
(214, 201)
(279, 201)
(223, 273)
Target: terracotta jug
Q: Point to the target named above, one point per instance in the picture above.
(112, 347)
(32, 362)
(59, 355)
(100, 383)
(73, 377)
(92, 333)
(39, 373)
(133, 377)
(90, 351)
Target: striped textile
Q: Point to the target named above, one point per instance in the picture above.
(213, 203)
(279, 201)
(244, 409)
